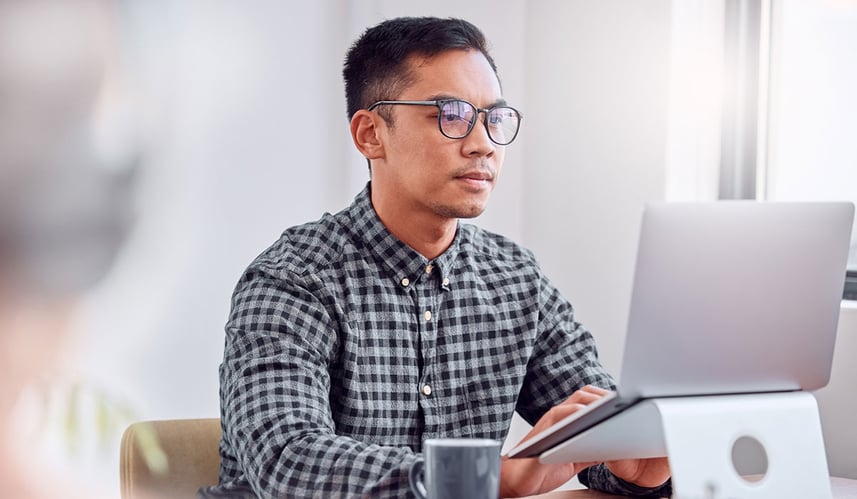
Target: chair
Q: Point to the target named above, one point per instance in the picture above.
(169, 458)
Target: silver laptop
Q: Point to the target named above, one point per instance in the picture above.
(729, 297)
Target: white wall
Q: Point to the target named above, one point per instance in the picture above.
(596, 143)
(249, 137)
(246, 110)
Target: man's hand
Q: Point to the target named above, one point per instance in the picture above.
(526, 477)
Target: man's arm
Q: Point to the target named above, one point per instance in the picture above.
(275, 406)
(564, 361)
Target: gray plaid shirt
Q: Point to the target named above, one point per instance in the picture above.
(345, 349)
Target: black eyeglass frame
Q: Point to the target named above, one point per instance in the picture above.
(441, 102)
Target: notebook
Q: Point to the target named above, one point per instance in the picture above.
(729, 297)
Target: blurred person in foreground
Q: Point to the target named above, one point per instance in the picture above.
(64, 197)
(354, 338)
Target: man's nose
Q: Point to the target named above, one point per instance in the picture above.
(477, 142)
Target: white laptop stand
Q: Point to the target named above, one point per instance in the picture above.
(698, 434)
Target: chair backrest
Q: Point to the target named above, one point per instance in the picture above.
(169, 458)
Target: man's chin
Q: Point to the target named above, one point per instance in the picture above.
(468, 211)
(473, 213)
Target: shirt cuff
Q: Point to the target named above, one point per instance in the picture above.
(599, 477)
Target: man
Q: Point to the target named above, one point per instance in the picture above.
(354, 338)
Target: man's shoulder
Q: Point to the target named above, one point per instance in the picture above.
(497, 247)
(306, 248)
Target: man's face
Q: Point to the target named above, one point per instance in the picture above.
(428, 173)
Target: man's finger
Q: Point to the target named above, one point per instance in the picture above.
(586, 395)
(594, 389)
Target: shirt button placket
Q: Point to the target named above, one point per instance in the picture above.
(425, 303)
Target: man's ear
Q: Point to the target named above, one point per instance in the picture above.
(365, 132)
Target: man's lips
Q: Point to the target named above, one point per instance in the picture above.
(481, 176)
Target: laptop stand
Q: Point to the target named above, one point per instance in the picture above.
(698, 434)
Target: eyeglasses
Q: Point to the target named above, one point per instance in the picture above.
(456, 118)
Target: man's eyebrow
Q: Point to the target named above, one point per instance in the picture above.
(499, 102)
(443, 97)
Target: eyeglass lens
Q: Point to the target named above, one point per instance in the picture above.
(458, 117)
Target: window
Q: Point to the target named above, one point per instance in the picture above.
(812, 104)
(763, 103)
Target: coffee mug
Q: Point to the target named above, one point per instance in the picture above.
(457, 468)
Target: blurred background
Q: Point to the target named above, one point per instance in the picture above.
(150, 150)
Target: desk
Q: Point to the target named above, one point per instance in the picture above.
(843, 488)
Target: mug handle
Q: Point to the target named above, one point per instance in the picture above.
(416, 478)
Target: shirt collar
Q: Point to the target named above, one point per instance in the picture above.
(366, 228)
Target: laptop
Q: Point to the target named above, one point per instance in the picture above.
(729, 297)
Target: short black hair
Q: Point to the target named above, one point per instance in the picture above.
(376, 64)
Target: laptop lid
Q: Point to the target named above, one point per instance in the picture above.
(735, 297)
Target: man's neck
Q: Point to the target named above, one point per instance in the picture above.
(429, 242)
(426, 233)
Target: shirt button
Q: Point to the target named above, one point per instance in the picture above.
(427, 315)
(405, 282)
(429, 268)
(426, 390)
(446, 281)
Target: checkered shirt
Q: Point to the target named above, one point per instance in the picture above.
(345, 349)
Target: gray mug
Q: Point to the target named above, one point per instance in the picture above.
(457, 468)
